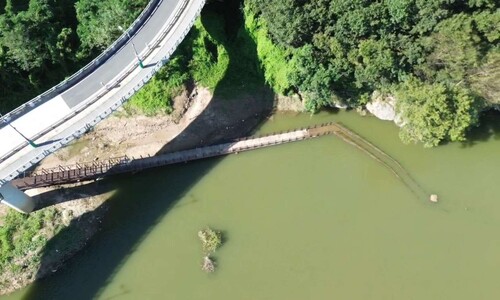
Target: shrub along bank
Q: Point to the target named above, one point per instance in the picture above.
(199, 59)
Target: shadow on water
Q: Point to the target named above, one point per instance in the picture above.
(134, 210)
(241, 98)
(141, 201)
(489, 128)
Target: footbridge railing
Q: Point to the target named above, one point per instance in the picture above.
(96, 169)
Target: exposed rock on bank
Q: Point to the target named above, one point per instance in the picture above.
(289, 103)
(384, 108)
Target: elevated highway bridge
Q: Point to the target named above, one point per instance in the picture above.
(62, 114)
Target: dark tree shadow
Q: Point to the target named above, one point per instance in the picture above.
(241, 100)
(489, 128)
(237, 108)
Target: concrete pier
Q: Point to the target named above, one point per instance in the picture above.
(16, 199)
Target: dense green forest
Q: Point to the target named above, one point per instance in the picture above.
(439, 58)
(44, 41)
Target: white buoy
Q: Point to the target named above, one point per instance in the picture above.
(433, 198)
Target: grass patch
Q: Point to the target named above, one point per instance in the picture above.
(156, 97)
(199, 58)
(22, 237)
(210, 58)
(273, 58)
(32, 246)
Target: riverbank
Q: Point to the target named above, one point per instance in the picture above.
(235, 103)
(144, 136)
(199, 118)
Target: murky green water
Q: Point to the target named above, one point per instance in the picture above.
(311, 220)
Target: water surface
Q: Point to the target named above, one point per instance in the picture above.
(310, 220)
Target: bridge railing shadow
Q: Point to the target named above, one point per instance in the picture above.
(72, 193)
(137, 205)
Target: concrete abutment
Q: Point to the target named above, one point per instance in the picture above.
(16, 199)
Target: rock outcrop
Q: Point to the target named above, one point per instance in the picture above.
(384, 108)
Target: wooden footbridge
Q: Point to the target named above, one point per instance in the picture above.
(120, 165)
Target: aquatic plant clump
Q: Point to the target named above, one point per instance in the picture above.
(208, 264)
(211, 239)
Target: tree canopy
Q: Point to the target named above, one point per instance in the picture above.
(434, 112)
(43, 41)
(324, 49)
(350, 48)
(98, 20)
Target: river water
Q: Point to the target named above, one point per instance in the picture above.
(317, 219)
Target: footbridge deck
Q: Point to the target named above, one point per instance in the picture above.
(120, 165)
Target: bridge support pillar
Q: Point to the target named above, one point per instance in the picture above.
(16, 199)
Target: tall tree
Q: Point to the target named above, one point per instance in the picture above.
(434, 112)
(98, 21)
(29, 36)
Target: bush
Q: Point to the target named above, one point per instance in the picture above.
(210, 239)
(199, 58)
(156, 97)
(210, 59)
(435, 112)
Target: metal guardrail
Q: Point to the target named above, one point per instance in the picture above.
(87, 69)
(112, 108)
(129, 69)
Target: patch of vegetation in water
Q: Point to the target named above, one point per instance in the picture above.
(211, 240)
